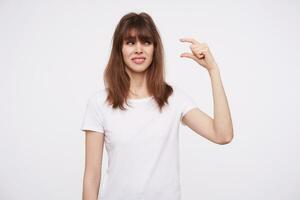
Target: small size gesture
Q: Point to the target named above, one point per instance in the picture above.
(200, 53)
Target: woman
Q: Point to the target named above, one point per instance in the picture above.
(138, 114)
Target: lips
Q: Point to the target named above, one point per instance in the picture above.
(138, 60)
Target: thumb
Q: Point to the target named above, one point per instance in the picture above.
(188, 55)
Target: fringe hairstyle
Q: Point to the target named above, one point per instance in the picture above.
(116, 79)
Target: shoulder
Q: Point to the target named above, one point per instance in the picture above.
(179, 93)
(182, 99)
(98, 97)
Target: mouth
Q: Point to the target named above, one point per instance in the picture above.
(138, 60)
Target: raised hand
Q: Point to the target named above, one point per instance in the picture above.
(200, 53)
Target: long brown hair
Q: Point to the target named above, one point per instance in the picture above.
(116, 79)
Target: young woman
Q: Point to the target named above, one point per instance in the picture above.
(138, 114)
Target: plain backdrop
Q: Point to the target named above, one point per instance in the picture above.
(52, 58)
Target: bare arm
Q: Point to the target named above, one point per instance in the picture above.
(218, 129)
(222, 119)
(93, 163)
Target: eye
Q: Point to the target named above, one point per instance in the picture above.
(147, 42)
(129, 43)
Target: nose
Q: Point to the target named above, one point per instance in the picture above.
(138, 47)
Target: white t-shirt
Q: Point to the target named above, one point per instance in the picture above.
(142, 146)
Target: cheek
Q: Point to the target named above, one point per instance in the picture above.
(125, 53)
(151, 53)
(123, 50)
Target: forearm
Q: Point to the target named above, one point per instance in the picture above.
(90, 187)
(222, 119)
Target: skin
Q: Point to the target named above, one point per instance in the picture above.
(137, 72)
(94, 143)
(218, 129)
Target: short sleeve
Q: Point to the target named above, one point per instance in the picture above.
(187, 103)
(93, 118)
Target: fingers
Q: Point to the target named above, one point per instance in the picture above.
(192, 55)
(188, 55)
(200, 56)
(191, 40)
(198, 49)
(194, 47)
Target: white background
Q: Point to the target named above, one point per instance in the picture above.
(53, 55)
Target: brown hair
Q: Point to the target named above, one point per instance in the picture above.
(116, 79)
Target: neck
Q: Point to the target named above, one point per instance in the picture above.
(138, 85)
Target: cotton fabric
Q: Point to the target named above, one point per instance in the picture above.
(142, 145)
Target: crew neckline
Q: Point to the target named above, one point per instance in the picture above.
(141, 99)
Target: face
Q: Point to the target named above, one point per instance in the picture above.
(137, 55)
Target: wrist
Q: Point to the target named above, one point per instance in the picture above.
(214, 68)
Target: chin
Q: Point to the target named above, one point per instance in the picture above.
(138, 69)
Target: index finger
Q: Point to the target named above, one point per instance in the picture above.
(191, 40)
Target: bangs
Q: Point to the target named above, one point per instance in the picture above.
(140, 33)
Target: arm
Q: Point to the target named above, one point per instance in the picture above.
(222, 119)
(218, 129)
(93, 163)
